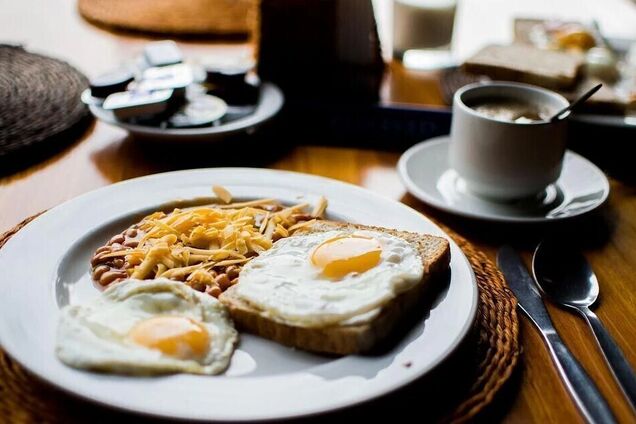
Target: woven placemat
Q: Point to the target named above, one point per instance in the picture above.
(173, 17)
(453, 79)
(41, 102)
(24, 399)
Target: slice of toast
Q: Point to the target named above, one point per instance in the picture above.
(604, 101)
(529, 64)
(359, 336)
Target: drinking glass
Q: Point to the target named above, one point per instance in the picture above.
(423, 31)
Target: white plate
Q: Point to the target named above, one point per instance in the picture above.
(425, 172)
(270, 102)
(46, 265)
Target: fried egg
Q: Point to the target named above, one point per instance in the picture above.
(147, 327)
(320, 279)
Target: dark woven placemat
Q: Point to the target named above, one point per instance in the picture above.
(40, 103)
(173, 17)
(453, 79)
(24, 399)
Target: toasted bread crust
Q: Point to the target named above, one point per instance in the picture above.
(354, 338)
(546, 68)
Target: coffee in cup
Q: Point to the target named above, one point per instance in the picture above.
(502, 143)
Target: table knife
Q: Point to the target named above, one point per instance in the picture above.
(582, 389)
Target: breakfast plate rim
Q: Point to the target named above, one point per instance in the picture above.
(458, 262)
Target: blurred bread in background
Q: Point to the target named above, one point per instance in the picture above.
(518, 62)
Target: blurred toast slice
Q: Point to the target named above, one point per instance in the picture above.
(604, 101)
(362, 333)
(523, 63)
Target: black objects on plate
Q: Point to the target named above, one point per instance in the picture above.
(111, 82)
(226, 76)
(234, 84)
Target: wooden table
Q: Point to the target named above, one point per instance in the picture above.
(106, 155)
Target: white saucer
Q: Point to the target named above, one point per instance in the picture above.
(424, 170)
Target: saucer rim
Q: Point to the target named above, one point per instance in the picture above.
(424, 196)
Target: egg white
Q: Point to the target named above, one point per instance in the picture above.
(94, 335)
(285, 286)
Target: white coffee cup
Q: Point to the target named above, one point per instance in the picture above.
(506, 160)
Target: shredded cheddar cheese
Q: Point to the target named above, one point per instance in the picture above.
(194, 244)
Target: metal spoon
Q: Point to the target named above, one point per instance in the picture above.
(566, 277)
(562, 113)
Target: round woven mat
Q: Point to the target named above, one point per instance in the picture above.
(453, 79)
(173, 17)
(41, 102)
(25, 399)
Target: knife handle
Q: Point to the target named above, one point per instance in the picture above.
(581, 387)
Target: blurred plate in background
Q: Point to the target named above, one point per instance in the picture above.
(270, 102)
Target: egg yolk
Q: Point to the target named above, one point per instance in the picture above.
(175, 336)
(342, 255)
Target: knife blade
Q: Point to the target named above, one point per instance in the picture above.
(524, 288)
(582, 389)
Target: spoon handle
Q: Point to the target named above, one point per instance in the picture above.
(622, 370)
(576, 103)
(583, 390)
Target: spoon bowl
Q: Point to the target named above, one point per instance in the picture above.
(564, 275)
